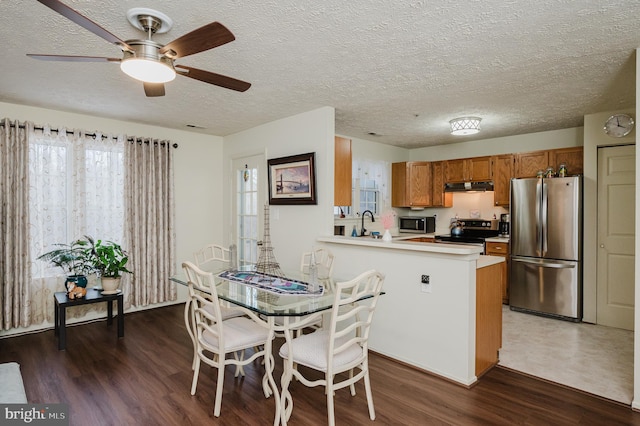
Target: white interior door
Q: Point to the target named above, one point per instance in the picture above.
(248, 188)
(616, 237)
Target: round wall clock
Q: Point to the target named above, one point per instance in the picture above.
(618, 125)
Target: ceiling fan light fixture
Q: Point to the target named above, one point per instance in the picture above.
(465, 126)
(148, 70)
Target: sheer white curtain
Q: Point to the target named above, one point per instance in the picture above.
(149, 218)
(15, 275)
(76, 189)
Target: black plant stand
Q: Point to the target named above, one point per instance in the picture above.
(62, 302)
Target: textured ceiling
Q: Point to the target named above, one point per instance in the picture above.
(400, 69)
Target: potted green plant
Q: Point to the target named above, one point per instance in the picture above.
(110, 262)
(74, 258)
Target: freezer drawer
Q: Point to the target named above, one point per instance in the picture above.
(547, 287)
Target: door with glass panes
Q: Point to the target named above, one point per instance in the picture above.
(248, 197)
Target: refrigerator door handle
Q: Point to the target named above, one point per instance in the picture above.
(543, 218)
(545, 263)
(538, 218)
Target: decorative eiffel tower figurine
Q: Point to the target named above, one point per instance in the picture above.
(267, 263)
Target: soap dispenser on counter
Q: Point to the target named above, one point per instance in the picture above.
(354, 233)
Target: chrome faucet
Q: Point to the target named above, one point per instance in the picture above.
(362, 230)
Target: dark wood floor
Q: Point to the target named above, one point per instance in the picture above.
(144, 379)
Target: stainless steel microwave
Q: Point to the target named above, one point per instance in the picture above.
(417, 224)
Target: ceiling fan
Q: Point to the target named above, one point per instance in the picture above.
(148, 61)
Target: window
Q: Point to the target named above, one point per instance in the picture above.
(76, 189)
(369, 196)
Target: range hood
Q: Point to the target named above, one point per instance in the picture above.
(468, 187)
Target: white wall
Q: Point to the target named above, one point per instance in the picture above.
(434, 331)
(362, 149)
(294, 228)
(636, 349)
(594, 137)
(198, 160)
(552, 139)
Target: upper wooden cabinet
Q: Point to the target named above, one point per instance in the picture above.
(503, 170)
(342, 172)
(528, 163)
(468, 169)
(455, 170)
(573, 158)
(439, 198)
(411, 184)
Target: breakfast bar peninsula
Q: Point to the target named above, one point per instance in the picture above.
(451, 325)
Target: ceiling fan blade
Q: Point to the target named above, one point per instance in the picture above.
(204, 38)
(153, 89)
(84, 22)
(213, 78)
(69, 58)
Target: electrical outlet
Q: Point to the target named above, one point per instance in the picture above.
(424, 279)
(425, 288)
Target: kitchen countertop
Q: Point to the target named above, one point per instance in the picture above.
(498, 239)
(484, 261)
(400, 244)
(409, 235)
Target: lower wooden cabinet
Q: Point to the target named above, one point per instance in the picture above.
(488, 318)
(501, 249)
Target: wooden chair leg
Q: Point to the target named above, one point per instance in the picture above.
(196, 372)
(218, 403)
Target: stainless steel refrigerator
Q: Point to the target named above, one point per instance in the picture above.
(546, 247)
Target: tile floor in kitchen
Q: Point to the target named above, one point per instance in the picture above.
(592, 358)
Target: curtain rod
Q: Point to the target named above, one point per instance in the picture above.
(70, 132)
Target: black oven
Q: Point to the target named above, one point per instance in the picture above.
(474, 232)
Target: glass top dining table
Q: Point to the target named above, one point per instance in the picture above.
(265, 302)
(281, 312)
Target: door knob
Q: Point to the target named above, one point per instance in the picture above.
(601, 245)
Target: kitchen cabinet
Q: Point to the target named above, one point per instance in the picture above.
(455, 170)
(439, 198)
(528, 163)
(503, 170)
(411, 184)
(468, 169)
(572, 157)
(488, 318)
(423, 240)
(501, 249)
(342, 172)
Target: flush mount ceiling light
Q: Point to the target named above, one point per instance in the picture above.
(465, 125)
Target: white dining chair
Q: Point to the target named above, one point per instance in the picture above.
(211, 253)
(343, 346)
(215, 338)
(212, 257)
(324, 262)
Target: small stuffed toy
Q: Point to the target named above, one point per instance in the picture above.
(75, 292)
